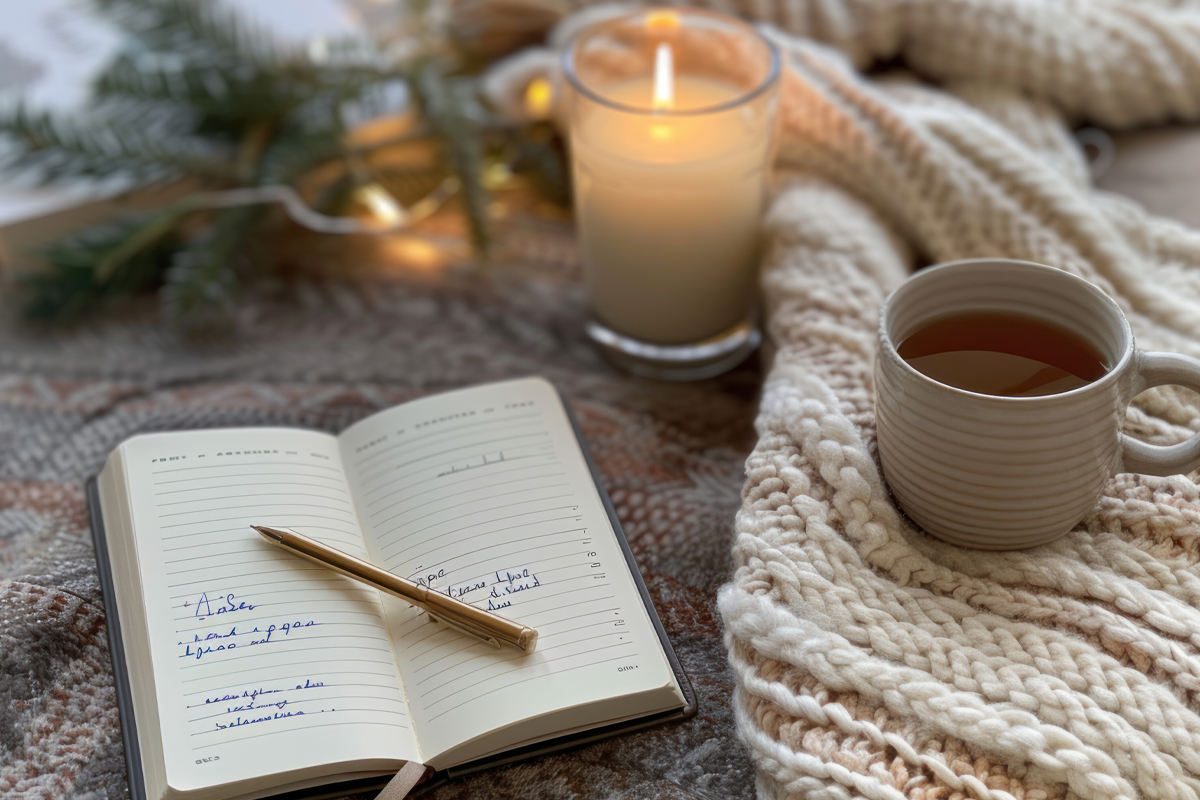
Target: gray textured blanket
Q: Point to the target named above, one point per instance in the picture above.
(671, 457)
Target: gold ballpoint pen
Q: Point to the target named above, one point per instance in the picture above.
(483, 625)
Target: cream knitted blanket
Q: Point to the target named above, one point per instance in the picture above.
(872, 660)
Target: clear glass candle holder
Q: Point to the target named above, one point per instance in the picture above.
(672, 130)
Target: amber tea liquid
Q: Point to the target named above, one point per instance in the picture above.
(1003, 354)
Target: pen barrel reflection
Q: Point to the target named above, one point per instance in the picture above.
(483, 624)
(476, 622)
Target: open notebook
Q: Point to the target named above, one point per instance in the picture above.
(245, 671)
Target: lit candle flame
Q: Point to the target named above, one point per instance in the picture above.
(663, 22)
(664, 78)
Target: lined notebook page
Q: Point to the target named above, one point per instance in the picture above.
(263, 662)
(483, 494)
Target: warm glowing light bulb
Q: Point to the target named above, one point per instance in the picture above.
(539, 96)
(382, 205)
(412, 253)
(664, 78)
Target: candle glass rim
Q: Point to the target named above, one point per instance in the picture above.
(772, 76)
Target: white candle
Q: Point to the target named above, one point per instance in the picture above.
(669, 204)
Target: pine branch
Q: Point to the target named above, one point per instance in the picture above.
(48, 149)
(220, 93)
(202, 284)
(446, 104)
(541, 153)
(335, 198)
(201, 56)
(98, 264)
(148, 237)
(287, 158)
(204, 95)
(194, 29)
(230, 91)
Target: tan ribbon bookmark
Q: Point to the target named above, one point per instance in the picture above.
(402, 782)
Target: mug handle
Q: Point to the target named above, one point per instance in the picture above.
(1162, 369)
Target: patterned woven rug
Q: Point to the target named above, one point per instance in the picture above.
(672, 458)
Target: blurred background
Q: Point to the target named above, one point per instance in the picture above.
(205, 150)
(208, 151)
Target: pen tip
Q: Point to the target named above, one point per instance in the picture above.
(269, 533)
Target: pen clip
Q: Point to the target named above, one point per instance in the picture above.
(467, 629)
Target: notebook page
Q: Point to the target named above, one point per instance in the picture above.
(264, 663)
(483, 494)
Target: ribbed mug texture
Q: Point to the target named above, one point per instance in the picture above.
(1000, 472)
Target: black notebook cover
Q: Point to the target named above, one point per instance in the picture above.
(133, 756)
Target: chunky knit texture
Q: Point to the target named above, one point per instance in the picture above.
(872, 660)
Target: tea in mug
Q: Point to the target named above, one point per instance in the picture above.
(1003, 354)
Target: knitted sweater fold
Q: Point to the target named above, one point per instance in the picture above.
(872, 660)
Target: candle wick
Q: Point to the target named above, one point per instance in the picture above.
(664, 77)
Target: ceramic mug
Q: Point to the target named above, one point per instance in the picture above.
(1001, 473)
